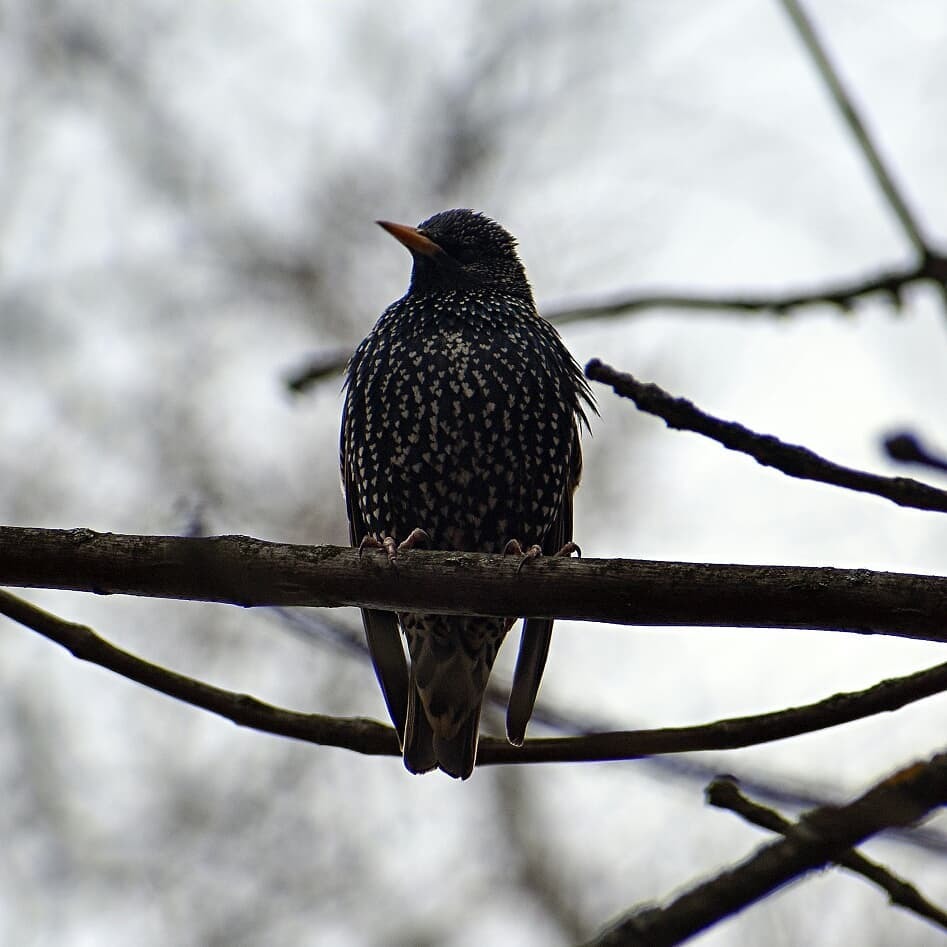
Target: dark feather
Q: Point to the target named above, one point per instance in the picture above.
(537, 632)
(381, 628)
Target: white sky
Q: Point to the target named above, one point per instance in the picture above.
(642, 145)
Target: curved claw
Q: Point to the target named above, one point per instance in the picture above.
(515, 548)
(415, 537)
(368, 542)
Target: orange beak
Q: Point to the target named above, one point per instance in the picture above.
(410, 237)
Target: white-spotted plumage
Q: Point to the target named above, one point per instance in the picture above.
(462, 414)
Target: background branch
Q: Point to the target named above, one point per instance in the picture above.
(725, 794)
(819, 837)
(354, 733)
(907, 447)
(366, 736)
(244, 571)
(842, 294)
(846, 106)
(791, 459)
(319, 627)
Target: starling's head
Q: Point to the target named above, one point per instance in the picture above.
(462, 249)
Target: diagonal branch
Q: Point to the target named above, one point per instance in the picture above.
(765, 449)
(363, 736)
(846, 105)
(724, 793)
(817, 839)
(366, 736)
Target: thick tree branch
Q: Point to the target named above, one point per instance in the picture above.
(818, 838)
(366, 736)
(791, 459)
(248, 572)
(724, 793)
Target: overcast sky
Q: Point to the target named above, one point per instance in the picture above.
(187, 197)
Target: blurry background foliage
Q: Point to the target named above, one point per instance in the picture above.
(186, 202)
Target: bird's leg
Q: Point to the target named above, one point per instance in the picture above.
(515, 548)
(415, 538)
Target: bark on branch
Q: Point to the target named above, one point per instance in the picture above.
(769, 451)
(243, 571)
(818, 838)
(369, 737)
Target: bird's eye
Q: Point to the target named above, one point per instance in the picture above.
(462, 253)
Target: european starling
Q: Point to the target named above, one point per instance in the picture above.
(461, 420)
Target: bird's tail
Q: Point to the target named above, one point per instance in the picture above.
(451, 659)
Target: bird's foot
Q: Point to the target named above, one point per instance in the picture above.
(515, 548)
(416, 537)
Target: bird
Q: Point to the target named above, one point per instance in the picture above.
(460, 431)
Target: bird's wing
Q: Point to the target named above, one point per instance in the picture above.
(537, 632)
(381, 628)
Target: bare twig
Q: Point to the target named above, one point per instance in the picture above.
(846, 105)
(909, 449)
(365, 736)
(318, 626)
(724, 793)
(355, 733)
(843, 295)
(765, 449)
(733, 733)
(243, 571)
(327, 363)
(818, 838)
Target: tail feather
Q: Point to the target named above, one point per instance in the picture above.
(420, 755)
(426, 749)
(451, 659)
(530, 663)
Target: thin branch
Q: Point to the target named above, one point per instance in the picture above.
(908, 448)
(249, 572)
(365, 736)
(890, 284)
(353, 733)
(791, 459)
(724, 793)
(846, 106)
(318, 627)
(326, 363)
(818, 838)
(732, 733)
(843, 295)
